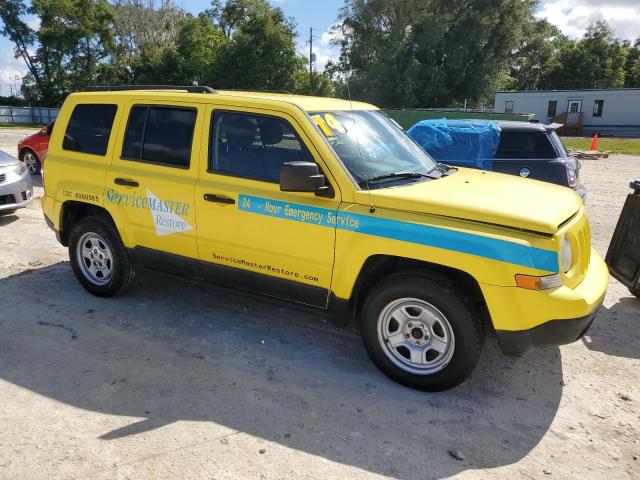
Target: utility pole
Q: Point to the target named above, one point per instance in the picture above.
(310, 59)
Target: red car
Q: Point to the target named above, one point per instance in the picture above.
(33, 149)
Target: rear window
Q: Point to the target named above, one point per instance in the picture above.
(525, 145)
(161, 135)
(89, 128)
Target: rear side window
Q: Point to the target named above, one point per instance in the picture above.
(525, 145)
(89, 128)
(162, 135)
(253, 146)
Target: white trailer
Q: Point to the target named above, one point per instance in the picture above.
(607, 112)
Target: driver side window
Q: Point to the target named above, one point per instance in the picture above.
(253, 146)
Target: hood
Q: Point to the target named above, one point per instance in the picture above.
(6, 159)
(486, 197)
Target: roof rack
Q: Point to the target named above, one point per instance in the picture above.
(258, 91)
(120, 88)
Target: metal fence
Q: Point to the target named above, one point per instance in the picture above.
(31, 115)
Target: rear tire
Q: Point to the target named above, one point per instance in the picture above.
(98, 257)
(421, 332)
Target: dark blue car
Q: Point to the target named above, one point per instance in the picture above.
(530, 150)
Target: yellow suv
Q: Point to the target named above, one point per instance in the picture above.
(327, 203)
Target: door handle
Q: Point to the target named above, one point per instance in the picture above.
(126, 183)
(211, 197)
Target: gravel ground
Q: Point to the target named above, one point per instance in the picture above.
(185, 380)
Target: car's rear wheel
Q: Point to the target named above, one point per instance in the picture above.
(32, 162)
(421, 332)
(98, 257)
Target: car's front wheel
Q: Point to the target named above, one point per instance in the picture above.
(32, 162)
(98, 257)
(421, 331)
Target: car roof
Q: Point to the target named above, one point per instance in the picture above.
(305, 102)
(513, 125)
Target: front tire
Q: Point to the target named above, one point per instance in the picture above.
(32, 162)
(421, 332)
(98, 257)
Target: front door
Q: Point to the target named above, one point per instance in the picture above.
(250, 234)
(150, 185)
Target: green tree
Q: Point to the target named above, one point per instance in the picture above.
(429, 53)
(261, 52)
(632, 66)
(66, 51)
(540, 43)
(595, 61)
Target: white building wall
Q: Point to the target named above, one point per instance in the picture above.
(620, 113)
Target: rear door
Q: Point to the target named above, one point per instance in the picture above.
(150, 185)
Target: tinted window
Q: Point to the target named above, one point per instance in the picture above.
(525, 145)
(89, 129)
(161, 135)
(253, 146)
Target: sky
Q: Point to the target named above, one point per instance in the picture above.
(571, 16)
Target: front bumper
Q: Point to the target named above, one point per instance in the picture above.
(554, 332)
(16, 191)
(524, 319)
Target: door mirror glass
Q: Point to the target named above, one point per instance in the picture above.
(301, 177)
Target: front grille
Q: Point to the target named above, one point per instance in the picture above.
(2, 177)
(579, 234)
(7, 199)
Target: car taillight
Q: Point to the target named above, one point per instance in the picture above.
(572, 175)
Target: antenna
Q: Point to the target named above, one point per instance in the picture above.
(372, 208)
(310, 60)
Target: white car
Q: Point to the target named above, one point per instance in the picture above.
(15, 184)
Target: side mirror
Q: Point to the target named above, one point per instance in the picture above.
(301, 177)
(43, 132)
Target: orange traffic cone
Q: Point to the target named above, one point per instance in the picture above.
(594, 142)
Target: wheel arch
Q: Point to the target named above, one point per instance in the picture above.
(72, 211)
(378, 267)
(23, 150)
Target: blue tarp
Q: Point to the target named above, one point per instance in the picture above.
(468, 143)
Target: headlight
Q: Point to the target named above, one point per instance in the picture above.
(566, 254)
(18, 168)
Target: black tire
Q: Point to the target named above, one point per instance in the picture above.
(122, 271)
(635, 291)
(464, 321)
(34, 166)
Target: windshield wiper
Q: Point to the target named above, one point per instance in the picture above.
(392, 175)
(444, 168)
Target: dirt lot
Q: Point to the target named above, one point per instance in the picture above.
(185, 380)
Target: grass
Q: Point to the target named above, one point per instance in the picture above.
(628, 146)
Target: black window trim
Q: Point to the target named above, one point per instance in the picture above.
(144, 131)
(106, 151)
(210, 153)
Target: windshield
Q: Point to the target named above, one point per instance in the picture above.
(372, 146)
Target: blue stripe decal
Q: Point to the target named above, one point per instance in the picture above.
(487, 247)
